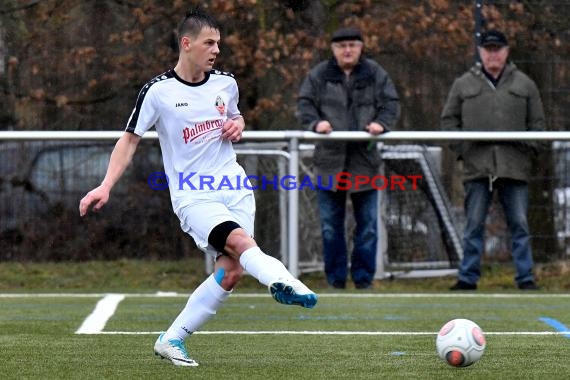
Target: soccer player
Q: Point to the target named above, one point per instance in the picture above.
(195, 112)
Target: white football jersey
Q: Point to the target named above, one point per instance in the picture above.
(188, 118)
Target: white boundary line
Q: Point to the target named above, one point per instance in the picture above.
(321, 295)
(393, 333)
(105, 308)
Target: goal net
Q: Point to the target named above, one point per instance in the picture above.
(417, 232)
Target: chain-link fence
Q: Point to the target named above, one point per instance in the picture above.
(41, 183)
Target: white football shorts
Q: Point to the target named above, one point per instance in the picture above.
(205, 210)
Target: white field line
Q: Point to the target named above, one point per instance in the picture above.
(321, 295)
(105, 308)
(392, 333)
(95, 322)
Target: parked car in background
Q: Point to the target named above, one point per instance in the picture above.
(41, 183)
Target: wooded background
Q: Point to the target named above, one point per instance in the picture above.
(79, 65)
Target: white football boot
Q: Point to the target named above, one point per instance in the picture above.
(174, 351)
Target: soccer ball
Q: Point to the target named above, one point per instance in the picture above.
(460, 342)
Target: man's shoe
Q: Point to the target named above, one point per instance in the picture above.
(174, 351)
(363, 285)
(528, 285)
(293, 292)
(339, 285)
(462, 285)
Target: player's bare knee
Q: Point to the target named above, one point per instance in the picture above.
(239, 241)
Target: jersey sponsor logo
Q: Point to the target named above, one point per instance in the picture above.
(198, 130)
(181, 105)
(220, 105)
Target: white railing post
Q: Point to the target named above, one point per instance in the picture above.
(293, 208)
(284, 243)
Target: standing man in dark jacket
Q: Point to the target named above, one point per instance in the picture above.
(495, 96)
(348, 93)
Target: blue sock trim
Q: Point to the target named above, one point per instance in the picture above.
(219, 275)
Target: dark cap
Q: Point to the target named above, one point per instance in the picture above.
(346, 34)
(493, 38)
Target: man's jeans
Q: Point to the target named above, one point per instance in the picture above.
(332, 206)
(513, 196)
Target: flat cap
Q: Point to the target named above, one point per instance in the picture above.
(493, 38)
(346, 34)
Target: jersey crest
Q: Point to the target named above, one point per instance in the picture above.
(220, 105)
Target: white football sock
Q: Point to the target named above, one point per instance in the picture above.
(263, 267)
(201, 306)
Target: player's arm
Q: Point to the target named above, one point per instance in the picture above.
(121, 157)
(233, 128)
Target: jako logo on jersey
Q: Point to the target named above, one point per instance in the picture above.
(199, 129)
(220, 105)
(181, 104)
